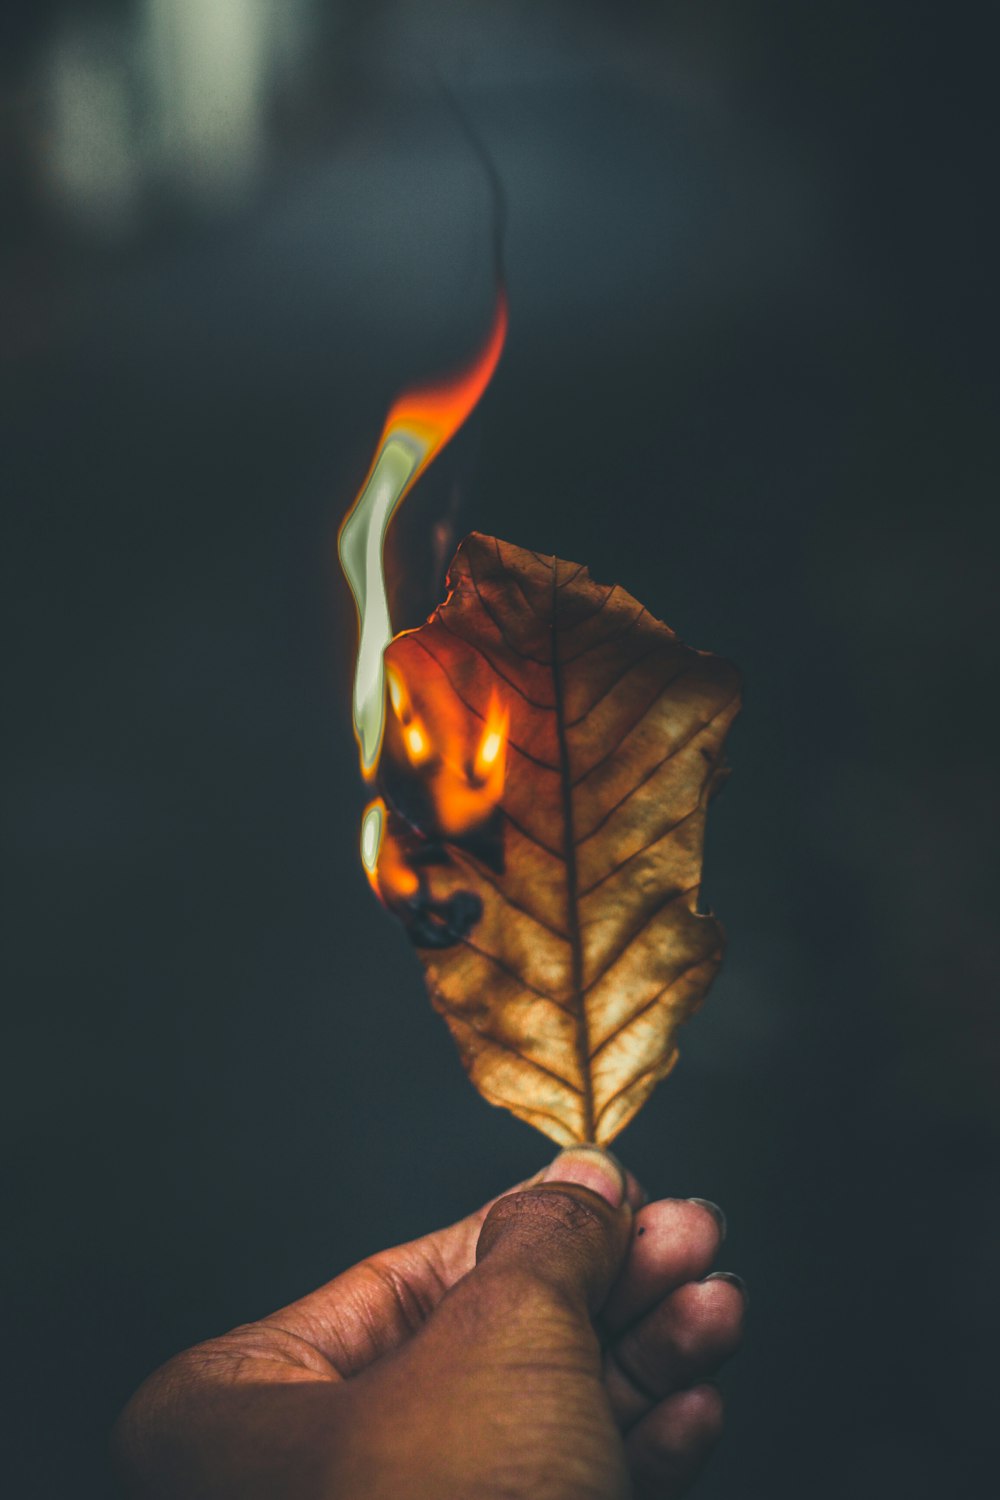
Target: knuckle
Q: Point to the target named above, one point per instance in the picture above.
(151, 1411)
(691, 1423)
(688, 1340)
(643, 1367)
(411, 1309)
(709, 1416)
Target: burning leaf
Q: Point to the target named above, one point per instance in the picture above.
(546, 769)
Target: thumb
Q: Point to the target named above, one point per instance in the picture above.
(570, 1230)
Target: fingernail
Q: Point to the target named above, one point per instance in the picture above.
(590, 1167)
(734, 1280)
(715, 1211)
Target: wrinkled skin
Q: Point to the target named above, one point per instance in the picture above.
(555, 1345)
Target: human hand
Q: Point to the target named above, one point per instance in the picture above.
(555, 1345)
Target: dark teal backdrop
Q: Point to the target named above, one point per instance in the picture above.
(751, 375)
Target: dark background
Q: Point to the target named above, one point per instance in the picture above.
(751, 375)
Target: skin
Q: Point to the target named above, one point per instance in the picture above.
(555, 1345)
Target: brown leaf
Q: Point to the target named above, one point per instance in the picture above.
(560, 939)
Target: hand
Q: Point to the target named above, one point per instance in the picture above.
(553, 1346)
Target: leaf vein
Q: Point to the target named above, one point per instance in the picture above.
(524, 655)
(616, 681)
(648, 1004)
(630, 1083)
(508, 900)
(606, 640)
(636, 853)
(659, 766)
(543, 765)
(493, 1040)
(532, 702)
(580, 568)
(511, 972)
(512, 574)
(657, 911)
(646, 710)
(531, 837)
(586, 619)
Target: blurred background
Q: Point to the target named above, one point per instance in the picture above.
(751, 375)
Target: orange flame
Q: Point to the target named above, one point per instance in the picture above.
(419, 424)
(463, 774)
(463, 787)
(414, 735)
(436, 412)
(387, 870)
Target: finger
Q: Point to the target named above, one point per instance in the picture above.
(635, 1194)
(669, 1448)
(674, 1240)
(569, 1233)
(515, 1340)
(379, 1304)
(683, 1340)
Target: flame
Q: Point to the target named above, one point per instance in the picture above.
(463, 775)
(465, 794)
(414, 735)
(491, 755)
(416, 744)
(385, 867)
(419, 424)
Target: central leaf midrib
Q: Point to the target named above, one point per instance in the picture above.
(572, 892)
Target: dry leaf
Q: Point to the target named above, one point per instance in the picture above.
(560, 937)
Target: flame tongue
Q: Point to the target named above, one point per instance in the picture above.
(418, 426)
(361, 545)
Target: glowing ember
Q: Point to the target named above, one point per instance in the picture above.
(416, 744)
(488, 751)
(461, 758)
(415, 741)
(418, 426)
(491, 756)
(372, 827)
(387, 871)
